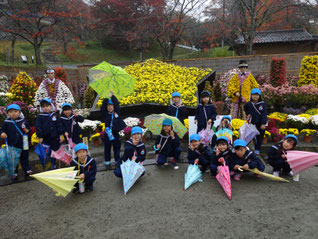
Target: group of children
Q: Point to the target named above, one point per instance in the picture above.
(51, 126)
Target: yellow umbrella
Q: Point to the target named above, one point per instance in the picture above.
(62, 180)
(267, 175)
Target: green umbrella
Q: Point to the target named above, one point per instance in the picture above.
(154, 124)
(105, 77)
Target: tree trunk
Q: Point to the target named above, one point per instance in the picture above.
(37, 52)
(171, 50)
(12, 48)
(164, 50)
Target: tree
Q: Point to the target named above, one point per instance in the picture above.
(170, 24)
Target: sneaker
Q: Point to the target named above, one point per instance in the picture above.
(232, 173)
(258, 175)
(75, 190)
(257, 152)
(175, 166)
(166, 164)
(276, 173)
(291, 174)
(15, 176)
(90, 189)
(207, 170)
(107, 163)
(237, 177)
(29, 172)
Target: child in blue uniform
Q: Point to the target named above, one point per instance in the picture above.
(199, 153)
(176, 108)
(277, 155)
(243, 158)
(225, 124)
(86, 166)
(70, 124)
(49, 127)
(256, 112)
(134, 150)
(13, 129)
(221, 155)
(111, 116)
(168, 145)
(205, 112)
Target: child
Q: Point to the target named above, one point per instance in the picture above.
(221, 155)
(13, 129)
(134, 150)
(113, 122)
(239, 89)
(86, 166)
(49, 127)
(206, 112)
(70, 124)
(277, 155)
(199, 153)
(244, 158)
(256, 113)
(176, 108)
(225, 123)
(167, 145)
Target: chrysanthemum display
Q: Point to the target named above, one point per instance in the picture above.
(308, 71)
(23, 89)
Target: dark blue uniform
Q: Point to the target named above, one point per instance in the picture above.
(130, 150)
(275, 158)
(203, 153)
(258, 114)
(71, 126)
(175, 111)
(116, 123)
(169, 148)
(203, 114)
(249, 158)
(215, 160)
(88, 168)
(49, 127)
(15, 139)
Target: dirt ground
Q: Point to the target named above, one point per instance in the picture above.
(157, 207)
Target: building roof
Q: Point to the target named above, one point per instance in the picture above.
(293, 35)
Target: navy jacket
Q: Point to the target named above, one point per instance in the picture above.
(236, 160)
(89, 168)
(172, 111)
(118, 122)
(14, 136)
(130, 149)
(167, 144)
(48, 125)
(257, 111)
(226, 155)
(203, 114)
(275, 153)
(70, 122)
(203, 152)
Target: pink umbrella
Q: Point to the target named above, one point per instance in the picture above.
(206, 135)
(224, 179)
(301, 160)
(62, 154)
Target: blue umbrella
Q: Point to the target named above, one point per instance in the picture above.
(192, 176)
(42, 151)
(131, 172)
(10, 158)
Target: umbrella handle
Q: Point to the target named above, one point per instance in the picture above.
(240, 169)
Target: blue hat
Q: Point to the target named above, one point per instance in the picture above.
(239, 142)
(13, 107)
(167, 122)
(292, 136)
(205, 93)
(80, 146)
(136, 130)
(256, 91)
(176, 94)
(222, 138)
(195, 137)
(46, 100)
(67, 104)
(226, 117)
(110, 102)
